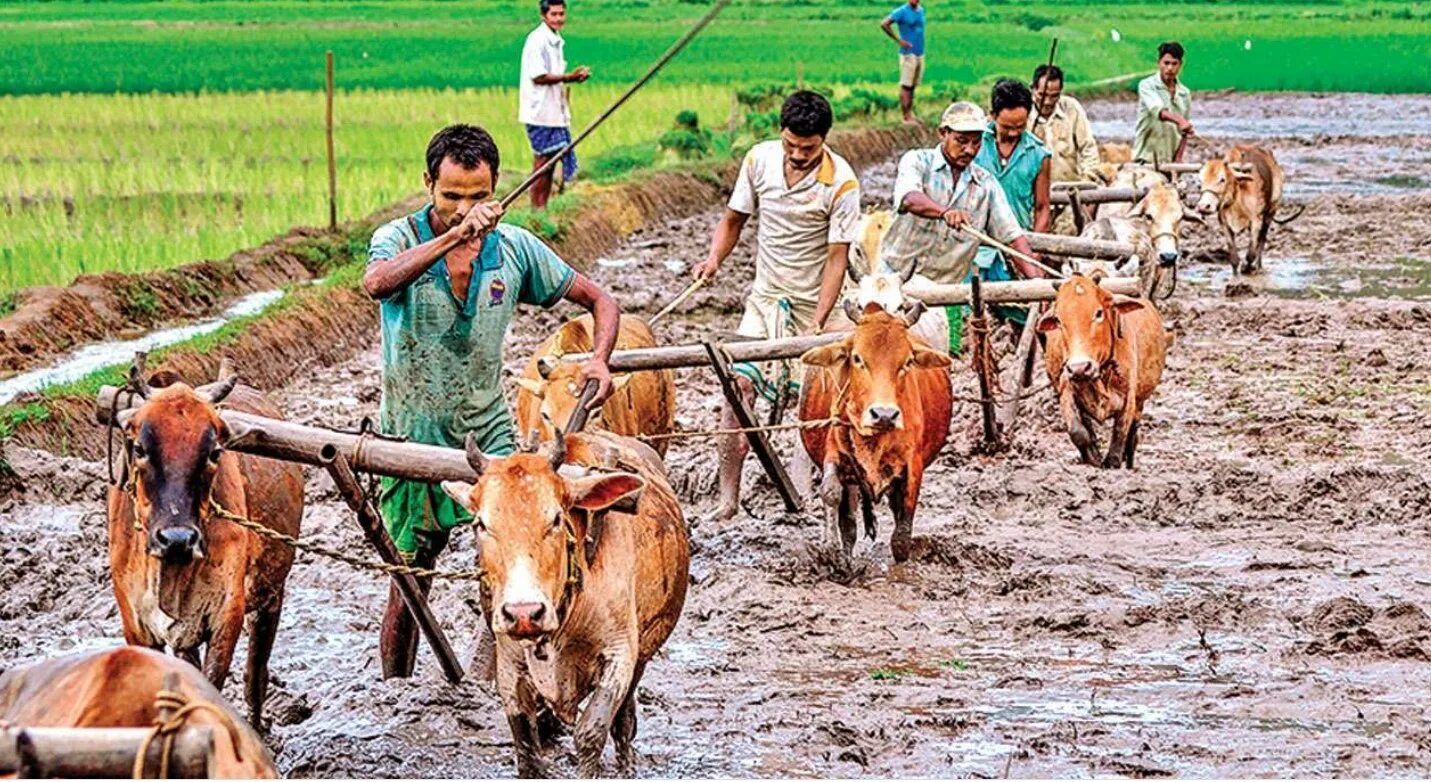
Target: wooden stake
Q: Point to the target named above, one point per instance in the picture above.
(757, 440)
(1080, 218)
(411, 591)
(332, 162)
(981, 368)
(1024, 360)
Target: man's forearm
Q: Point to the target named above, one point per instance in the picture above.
(832, 281)
(888, 27)
(551, 78)
(606, 314)
(1042, 217)
(1028, 270)
(384, 278)
(726, 235)
(921, 205)
(1171, 116)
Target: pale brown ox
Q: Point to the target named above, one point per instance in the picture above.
(579, 599)
(1105, 358)
(1153, 226)
(642, 403)
(1244, 188)
(892, 396)
(116, 688)
(185, 577)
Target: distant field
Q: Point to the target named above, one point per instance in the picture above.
(143, 179)
(251, 45)
(94, 183)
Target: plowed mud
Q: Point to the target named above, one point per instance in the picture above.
(1251, 600)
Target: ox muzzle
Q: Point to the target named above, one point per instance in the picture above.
(176, 542)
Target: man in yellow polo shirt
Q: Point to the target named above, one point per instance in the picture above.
(808, 201)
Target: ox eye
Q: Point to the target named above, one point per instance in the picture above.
(1097, 315)
(215, 455)
(556, 520)
(139, 452)
(857, 360)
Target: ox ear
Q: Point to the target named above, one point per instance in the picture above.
(1140, 209)
(926, 357)
(1123, 304)
(534, 387)
(826, 356)
(598, 492)
(461, 492)
(1049, 322)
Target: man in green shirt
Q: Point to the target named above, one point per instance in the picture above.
(449, 277)
(1164, 105)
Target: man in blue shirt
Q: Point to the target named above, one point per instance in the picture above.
(910, 18)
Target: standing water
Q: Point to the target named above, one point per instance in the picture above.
(105, 354)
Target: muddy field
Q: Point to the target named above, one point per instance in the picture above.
(1252, 600)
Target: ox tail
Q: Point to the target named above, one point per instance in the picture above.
(1283, 221)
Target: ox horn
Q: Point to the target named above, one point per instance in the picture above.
(908, 274)
(853, 272)
(913, 311)
(852, 311)
(475, 457)
(217, 392)
(137, 383)
(558, 452)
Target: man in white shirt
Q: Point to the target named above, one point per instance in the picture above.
(543, 97)
(809, 204)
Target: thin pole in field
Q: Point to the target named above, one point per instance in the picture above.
(675, 49)
(332, 163)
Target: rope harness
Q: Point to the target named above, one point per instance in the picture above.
(168, 728)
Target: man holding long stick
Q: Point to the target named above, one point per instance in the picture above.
(809, 204)
(936, 192)
(449, 277)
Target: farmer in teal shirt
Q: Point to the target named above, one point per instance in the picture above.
(1020, 163)
(449, 278)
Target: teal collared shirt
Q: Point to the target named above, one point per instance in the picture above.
(1018, 175)
(442, 359)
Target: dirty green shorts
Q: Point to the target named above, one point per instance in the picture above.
(418, 515)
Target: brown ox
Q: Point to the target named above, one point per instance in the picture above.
(578, 599)
(643, 403)
(1105, 358)
(892, 395)
(117, 689)
(1244, 187)
(184, 576)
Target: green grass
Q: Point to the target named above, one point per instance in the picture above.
(138, 135)
(189, 46)
(92, 183)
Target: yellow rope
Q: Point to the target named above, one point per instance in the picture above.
(351, 561)
(169, 728)
(819, 424)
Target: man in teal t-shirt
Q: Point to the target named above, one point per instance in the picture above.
(909, 17)
(449, 278)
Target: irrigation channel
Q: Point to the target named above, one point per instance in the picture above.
(1250, 601)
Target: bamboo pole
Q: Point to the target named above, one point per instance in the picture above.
(332, 160)
(105, 753)
(315, 446)
(682, 356)
(1079, 247)
(982, 366)
(1099, 195)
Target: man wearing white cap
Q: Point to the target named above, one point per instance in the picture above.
(940, 189)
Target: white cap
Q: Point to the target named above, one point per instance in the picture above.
(964, 116)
